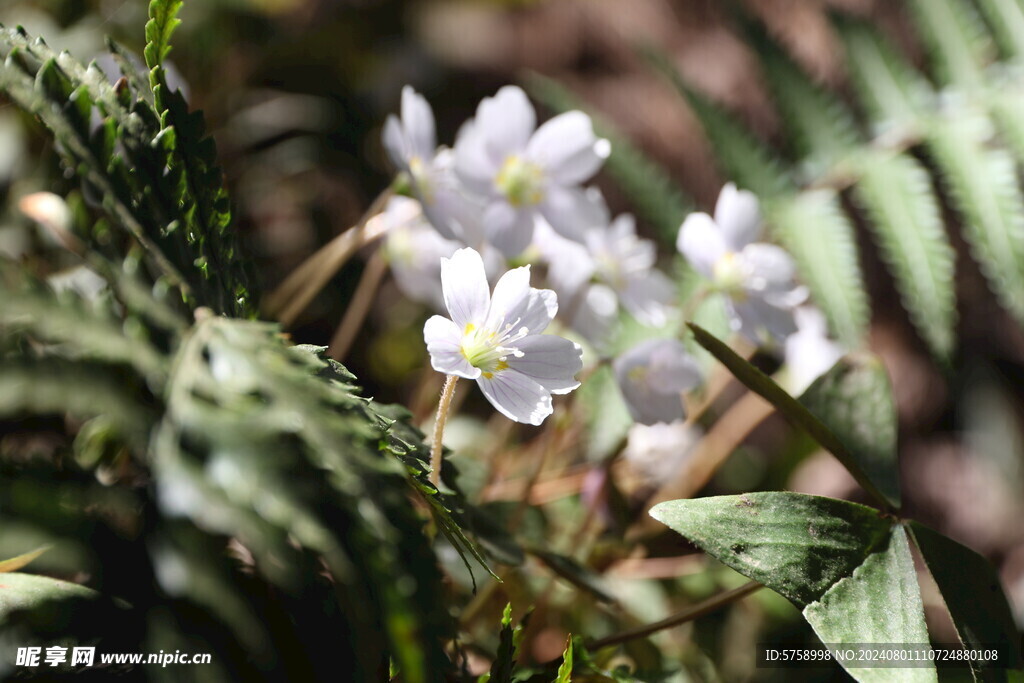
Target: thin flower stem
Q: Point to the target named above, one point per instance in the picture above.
(296, 292)
(442, 416)
(694, 612)
(358, 306)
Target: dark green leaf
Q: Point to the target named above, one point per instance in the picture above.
(793, 410)
(797, 545)
(974, 597)
(854, 399)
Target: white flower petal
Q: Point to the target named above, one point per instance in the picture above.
(509, 229)
(505, 122)
(510, 294)
(701, 242)
(567, 149)
(756, 318)
(809, 351)
(770, 268)
(394, 142)
(648, 297)
(738, 215)
(474, 165)
(651, 376)
(550, 360)
(571, 211)
(464, 282)
(517, 397)
(595, 314)
(418, 121)
(444, 343)
(673, 370)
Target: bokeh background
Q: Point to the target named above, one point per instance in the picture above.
(295, 93)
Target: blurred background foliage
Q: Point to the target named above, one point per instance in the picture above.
(295, 93)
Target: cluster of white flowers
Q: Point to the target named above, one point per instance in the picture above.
(510, 189)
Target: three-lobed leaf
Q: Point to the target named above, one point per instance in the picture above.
(797, 545)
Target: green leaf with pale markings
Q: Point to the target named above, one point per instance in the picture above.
(795, 544)
(880, 602)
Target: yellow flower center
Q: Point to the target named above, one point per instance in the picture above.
(521, 182)
(489, 350)
(730, 275)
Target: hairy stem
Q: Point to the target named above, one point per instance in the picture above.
(442, 416)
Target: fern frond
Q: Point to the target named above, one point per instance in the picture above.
(958, 44)
(819, 235)
(743, 158)
(893, 93)
(650, 188)
(1006, 19)
(983, 184)
(896, 193)
(163, 20)
(823, 129)
(270, 417)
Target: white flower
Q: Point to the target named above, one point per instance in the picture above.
(414, 251)
(809, 351)
(659, 451)
(611, 254)
(652, 376)
(524, 173)
(758, 279)
(495, 339)
(411, 142)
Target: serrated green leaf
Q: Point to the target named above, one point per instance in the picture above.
(890, 88)
(744, 159)
(163, 20)
(983, 184)
(652, 191)
(565, 668)
(880, 602)
(974, 597)
(861, 465)
(503, 667)
(958, 45)
(896, 193)
(797, 545)
(814, 229)
(821, 126)
(1006, 19)
(855, 400)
